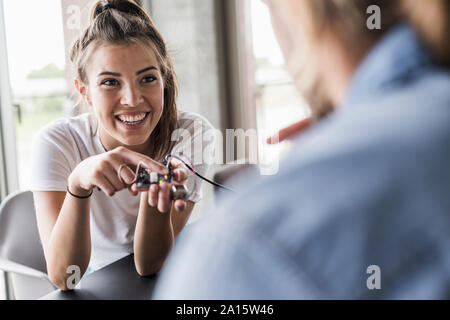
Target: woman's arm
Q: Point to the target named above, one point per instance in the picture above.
(64, 228)
(64, 220)
(155, 234)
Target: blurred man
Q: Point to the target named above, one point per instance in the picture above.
(360, 208)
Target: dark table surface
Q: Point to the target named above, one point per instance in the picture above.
(117, 281)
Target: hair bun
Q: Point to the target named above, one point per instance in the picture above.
(125, 6)
(108, 6)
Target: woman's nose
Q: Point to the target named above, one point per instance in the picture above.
(131, 96)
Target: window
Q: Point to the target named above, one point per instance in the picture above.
(277, 102)
(37, 71)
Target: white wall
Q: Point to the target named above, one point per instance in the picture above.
(189, 28)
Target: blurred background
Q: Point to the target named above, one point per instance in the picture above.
(229, 66)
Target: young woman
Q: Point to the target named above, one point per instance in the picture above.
(87, 204)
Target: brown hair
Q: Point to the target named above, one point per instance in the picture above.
(431, 19)
(124, 22)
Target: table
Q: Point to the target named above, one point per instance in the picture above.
(117, 281)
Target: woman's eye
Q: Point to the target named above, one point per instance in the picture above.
(110, 82)
(148, 79)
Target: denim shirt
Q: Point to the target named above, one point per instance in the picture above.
(359, 210)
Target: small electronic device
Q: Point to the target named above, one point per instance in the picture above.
(144, 179)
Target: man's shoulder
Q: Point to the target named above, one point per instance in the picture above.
(412, 120)
(421, 107)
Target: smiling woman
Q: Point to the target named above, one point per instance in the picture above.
(127, 95)
(83, 183)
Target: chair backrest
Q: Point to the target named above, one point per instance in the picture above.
(19, 236)
(230, 171)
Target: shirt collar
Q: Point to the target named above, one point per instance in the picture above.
(398, 56)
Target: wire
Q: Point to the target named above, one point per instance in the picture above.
(167, 159)
(178, 156)
(213, 182)
(199, 175)
(135, 175)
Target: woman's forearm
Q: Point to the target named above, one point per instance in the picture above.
(153, 238)
(70, 241)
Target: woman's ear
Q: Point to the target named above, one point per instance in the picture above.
(82, 89)
(79, 86)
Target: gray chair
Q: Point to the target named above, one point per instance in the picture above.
(228, 173)
(21, 254)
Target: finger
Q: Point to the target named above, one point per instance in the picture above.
(143, 189)
(111, 174)
(123, 171)
(153, 195)
(180, 175)
(125, 174)
(175, 163)
(134, 158)
(164, 198)
(180, 205)
(104, 185)
(290, 131)
(137, 189)
(133, 192)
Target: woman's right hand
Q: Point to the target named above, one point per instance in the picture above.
(101, 171)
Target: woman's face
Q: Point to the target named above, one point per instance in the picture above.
(126, 91)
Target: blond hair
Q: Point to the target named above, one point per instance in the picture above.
(124, 22)
(348, 20)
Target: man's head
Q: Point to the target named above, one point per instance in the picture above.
(323, 41)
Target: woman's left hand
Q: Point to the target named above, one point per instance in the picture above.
(159, 195)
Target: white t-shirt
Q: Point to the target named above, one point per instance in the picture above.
(60, 146)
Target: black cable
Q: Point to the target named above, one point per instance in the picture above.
(199, 175)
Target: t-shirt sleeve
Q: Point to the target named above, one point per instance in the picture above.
(51, 162)
(196, 141)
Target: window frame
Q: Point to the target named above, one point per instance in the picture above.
(238, 64)
(8, 158)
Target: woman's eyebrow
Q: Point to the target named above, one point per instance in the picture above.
(115, 74)
(145, 70)
(108, 73)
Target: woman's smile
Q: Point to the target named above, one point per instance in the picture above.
(132, 120)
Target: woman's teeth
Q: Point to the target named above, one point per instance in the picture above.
(130, 119)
